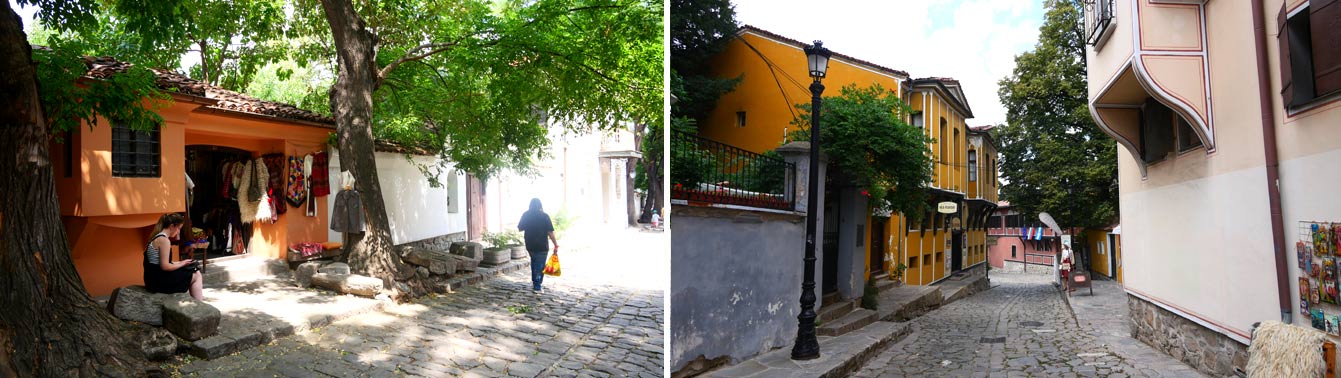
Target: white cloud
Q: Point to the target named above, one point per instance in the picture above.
(974, 41)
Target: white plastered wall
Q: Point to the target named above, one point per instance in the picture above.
(416, 210)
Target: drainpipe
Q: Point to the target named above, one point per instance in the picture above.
(1272, 161)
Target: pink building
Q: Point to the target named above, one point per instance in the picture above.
(1015, 243)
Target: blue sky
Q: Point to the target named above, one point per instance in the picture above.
(974, 41)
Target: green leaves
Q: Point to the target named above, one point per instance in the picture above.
(68, 99)
(863, 133)
(489, 82)
(1054, 158)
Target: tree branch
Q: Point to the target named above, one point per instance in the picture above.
(410, 56)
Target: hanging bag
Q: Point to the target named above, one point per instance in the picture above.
(552, 266)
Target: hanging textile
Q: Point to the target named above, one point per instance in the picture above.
(348, 214)
(321, 185)
(274, 163)
(239, 170)
(190, 190)
(307, 181)
(296, 191)
(265, 212)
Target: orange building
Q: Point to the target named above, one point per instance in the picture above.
(757, 116)
(114, 183)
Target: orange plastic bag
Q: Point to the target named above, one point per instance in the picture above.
(552, 266)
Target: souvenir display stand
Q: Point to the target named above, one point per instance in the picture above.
(1317, 252)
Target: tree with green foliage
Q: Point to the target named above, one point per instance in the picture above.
(869, 145)
(49, 326)
(486, 78)
(699, 30)
(1054, 158)
(231, 39)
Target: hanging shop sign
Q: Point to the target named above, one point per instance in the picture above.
(947, 207)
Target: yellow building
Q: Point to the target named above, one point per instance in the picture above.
(964, 173)
(757, 116)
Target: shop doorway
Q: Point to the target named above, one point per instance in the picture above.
(956, 250)
(877, 266)
(212, 205)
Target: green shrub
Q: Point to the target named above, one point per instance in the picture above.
(870, 296)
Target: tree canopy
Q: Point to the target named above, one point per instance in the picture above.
(868, 143)
(699, 30)
(1054, 157)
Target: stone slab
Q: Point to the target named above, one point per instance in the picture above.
(260, 311)
(470, 250)
(190, 318)
(137, 304)
(909, 301)
(839, 355)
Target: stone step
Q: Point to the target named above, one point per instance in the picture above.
(852, 321)
(884, 284)
(834, 311)
(828, 299)
(242, 269)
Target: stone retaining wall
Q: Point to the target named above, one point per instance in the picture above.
(438, 243)
(1206, 350)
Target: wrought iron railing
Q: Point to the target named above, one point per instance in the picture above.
(708, 171)
(1098, 19)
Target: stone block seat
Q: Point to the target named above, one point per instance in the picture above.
(186, 317)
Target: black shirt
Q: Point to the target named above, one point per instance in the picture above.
(536, 226)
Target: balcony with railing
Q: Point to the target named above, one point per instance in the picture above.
(704, 171)
(1098, 22)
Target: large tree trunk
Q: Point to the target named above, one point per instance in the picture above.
(651, 168)
(351, 104)
(49, 326)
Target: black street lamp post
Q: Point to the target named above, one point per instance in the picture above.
(807, 347)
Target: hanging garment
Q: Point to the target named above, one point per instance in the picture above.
(321, 185)
(296, 191)
(265, 212)
(239, 170)
(307, 181)
(254, 175)
(226, 180)
(348, 214)
(190, 190)
(275, 164)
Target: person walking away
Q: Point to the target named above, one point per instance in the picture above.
(160, 274)
(539, 232)
(1066, 268)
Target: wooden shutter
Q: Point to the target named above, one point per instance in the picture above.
(1325, 27)
(1283, 45)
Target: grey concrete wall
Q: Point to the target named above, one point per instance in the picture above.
(852, 230)
(735, 282)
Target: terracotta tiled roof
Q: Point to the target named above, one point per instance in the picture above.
(105, 66)
(836, 54)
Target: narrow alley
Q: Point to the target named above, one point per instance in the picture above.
(1023, 327)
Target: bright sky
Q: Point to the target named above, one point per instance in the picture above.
(974, 41)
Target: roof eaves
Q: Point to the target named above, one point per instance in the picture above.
(868, 64)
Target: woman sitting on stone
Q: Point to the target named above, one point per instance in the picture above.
(160, 274)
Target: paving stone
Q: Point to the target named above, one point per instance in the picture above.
(470, 333)
(1016, 308)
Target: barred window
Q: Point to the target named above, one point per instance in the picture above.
(135, 153)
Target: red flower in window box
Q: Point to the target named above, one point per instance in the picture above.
(866, 193)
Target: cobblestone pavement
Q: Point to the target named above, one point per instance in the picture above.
(499, 328)
(1021, 327)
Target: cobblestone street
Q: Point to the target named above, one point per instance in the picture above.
(576, 327)
(1021, 327)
